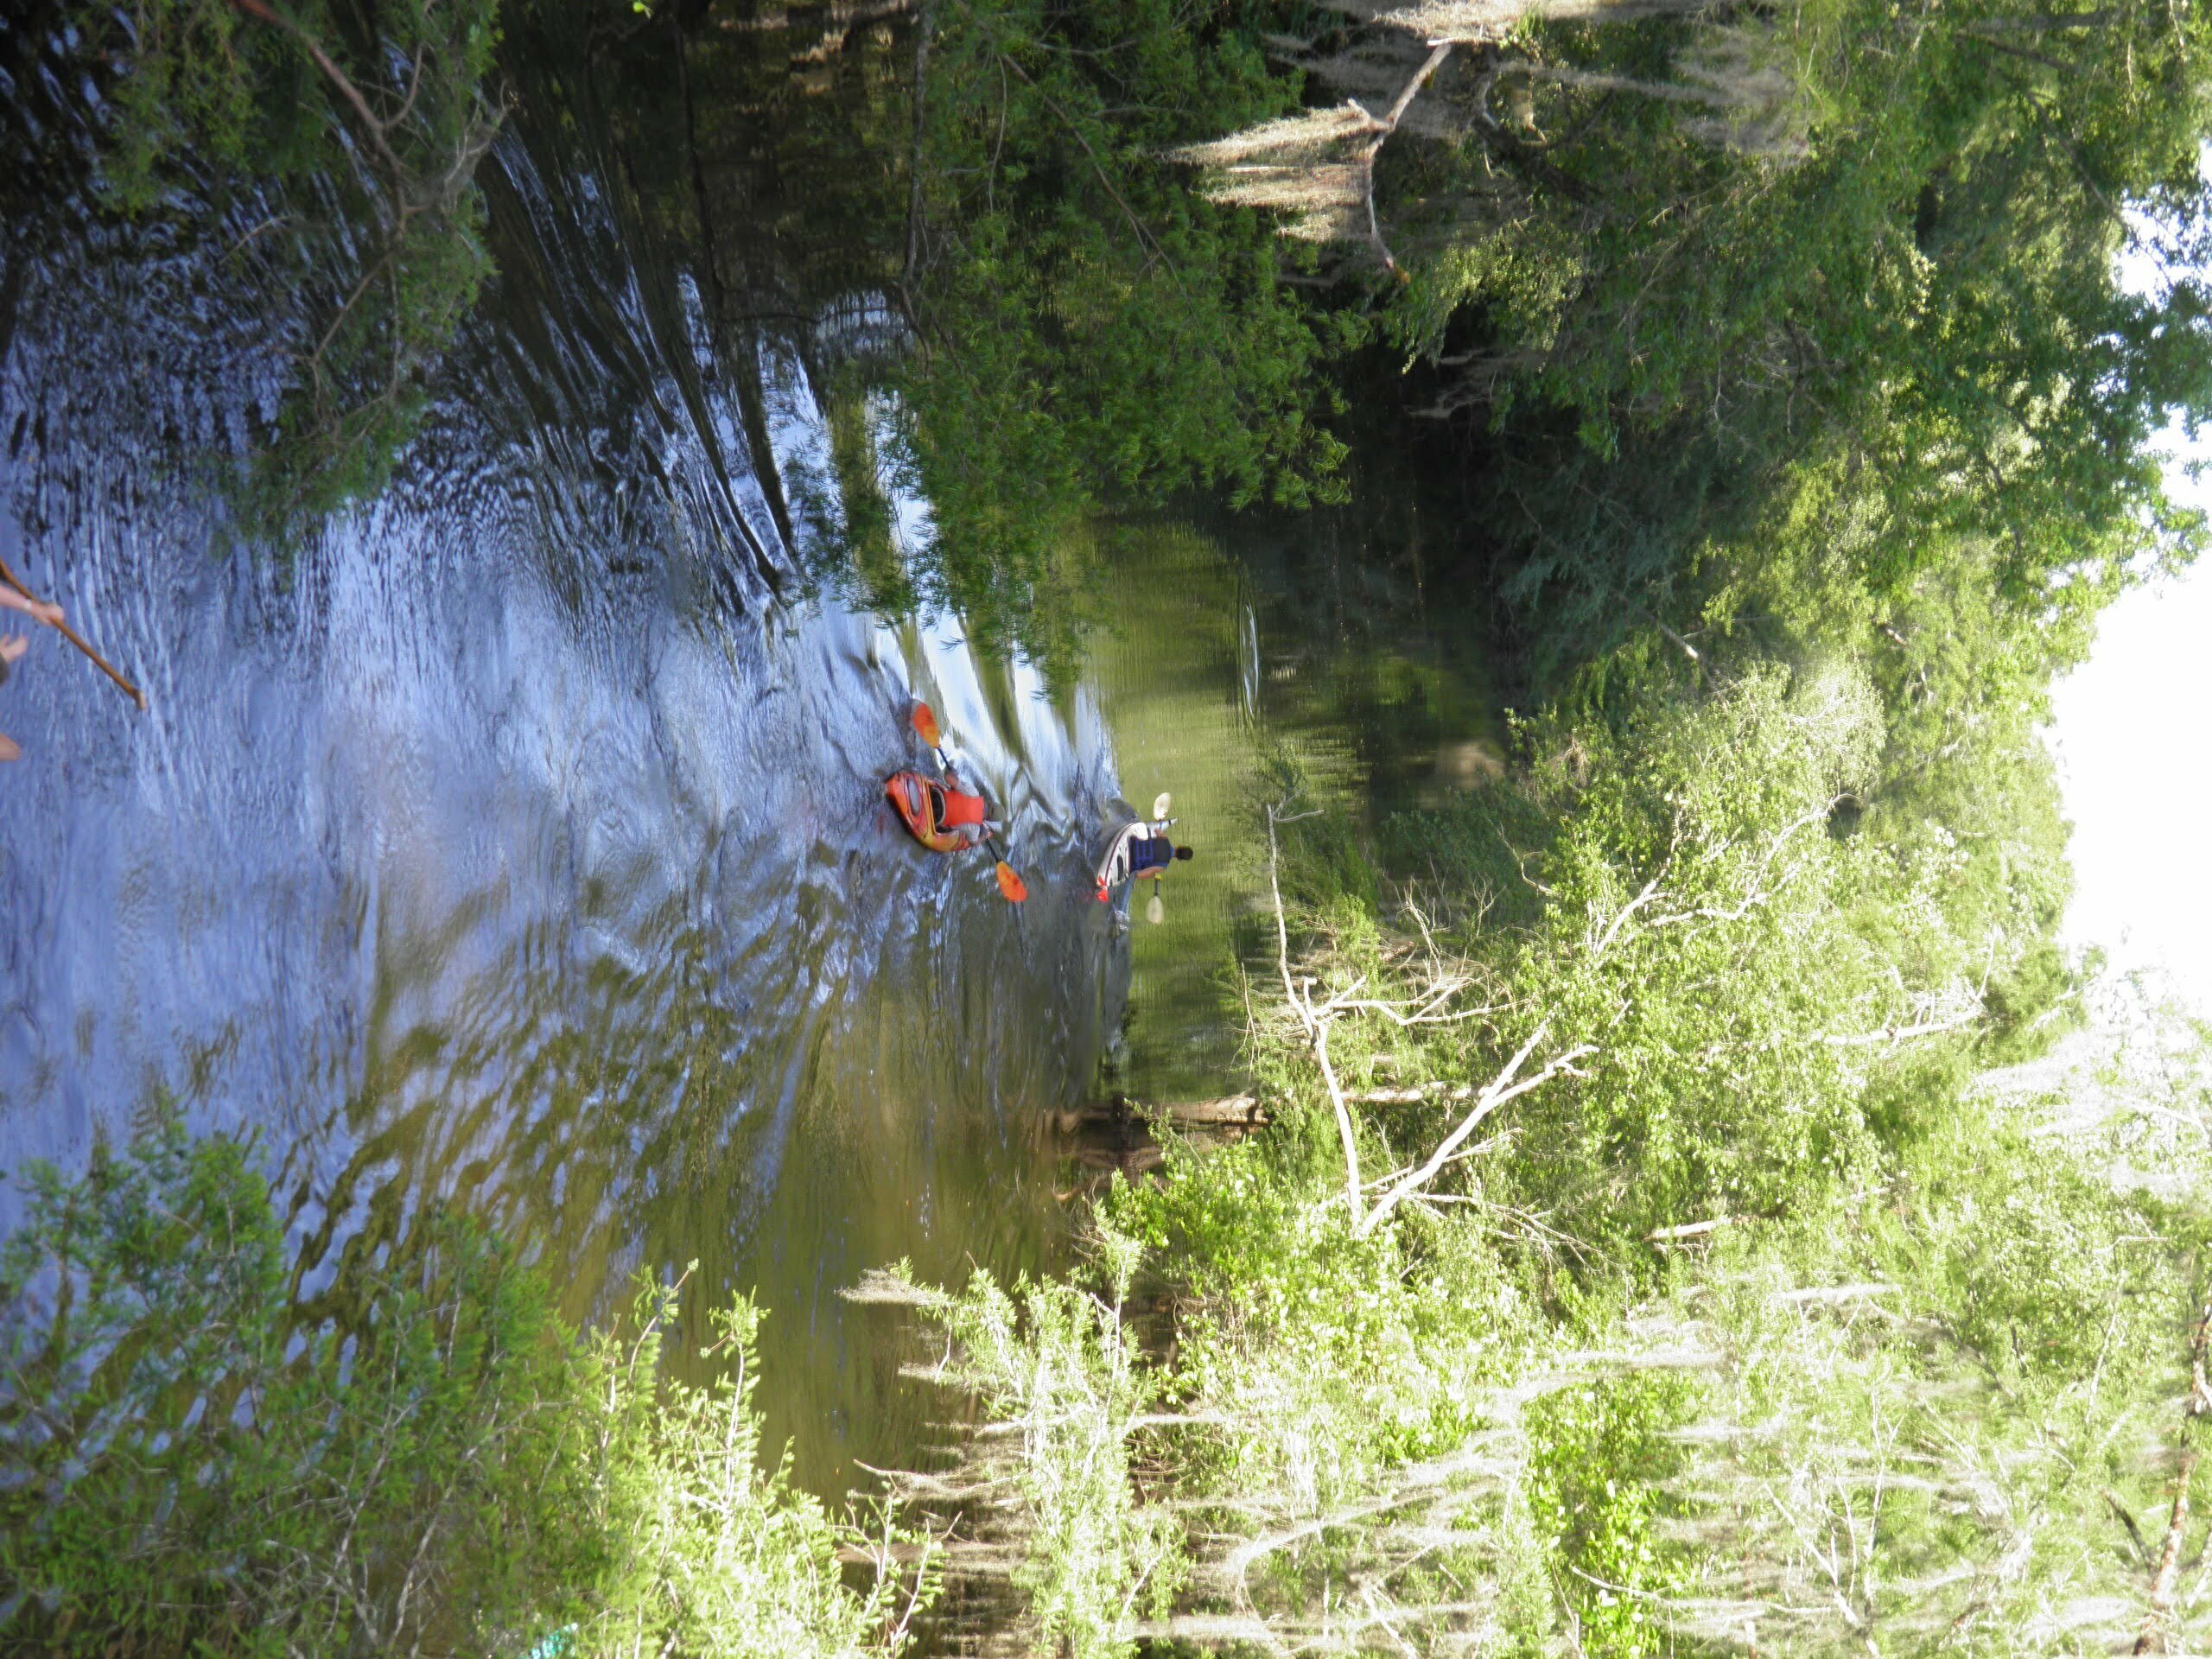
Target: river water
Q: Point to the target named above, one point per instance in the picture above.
(517, 843)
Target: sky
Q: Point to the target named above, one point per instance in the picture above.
(2130, 729)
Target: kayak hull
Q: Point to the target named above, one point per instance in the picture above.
(909, 793)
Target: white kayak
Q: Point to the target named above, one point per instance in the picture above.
(1114, 867)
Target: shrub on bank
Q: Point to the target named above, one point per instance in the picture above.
(1766, 1318)
(191, 1468)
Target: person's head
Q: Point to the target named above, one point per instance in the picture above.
(1185, 853)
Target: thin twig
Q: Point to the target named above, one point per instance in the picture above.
(921, 133)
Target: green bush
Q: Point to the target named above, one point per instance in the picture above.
(191, 1468)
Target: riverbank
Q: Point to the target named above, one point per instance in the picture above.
(1648, 1251)
(1631, 1243)
(197, 1464)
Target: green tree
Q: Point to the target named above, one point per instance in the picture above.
(1828, 274)
(1090, 334)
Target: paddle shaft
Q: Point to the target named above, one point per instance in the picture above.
(77, 639)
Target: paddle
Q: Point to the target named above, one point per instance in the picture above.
(1154, 911)
(925, 726)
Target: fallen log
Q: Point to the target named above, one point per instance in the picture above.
(1226, 1112)
(1119, 1134)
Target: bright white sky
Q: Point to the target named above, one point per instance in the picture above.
(2129, 728)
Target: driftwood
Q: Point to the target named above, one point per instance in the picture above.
(1228, 1112)
(1118, 1133)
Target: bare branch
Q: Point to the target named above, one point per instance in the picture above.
(1500, 1089)
(1892, 1035)
(1687, 1229)
(2152, 1637)
(1389, 124)
(1307, 1018)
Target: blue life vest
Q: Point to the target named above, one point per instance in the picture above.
(1150, 853)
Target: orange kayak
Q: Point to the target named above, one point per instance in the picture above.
(919, 803)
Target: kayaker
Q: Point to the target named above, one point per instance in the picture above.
(960, 810)
(1138, 849)
(36, 610)
(1151, 855)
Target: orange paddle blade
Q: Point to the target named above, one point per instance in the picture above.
(1010, 884)
(925, 723)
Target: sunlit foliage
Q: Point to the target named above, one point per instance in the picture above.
(192, 1469)
(1772, 1323)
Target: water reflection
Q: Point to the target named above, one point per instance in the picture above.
(1317, 640)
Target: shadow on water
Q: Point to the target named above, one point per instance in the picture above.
(517, 842)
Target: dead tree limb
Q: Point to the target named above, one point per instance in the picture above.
(1316, 1032)
(1315, 1022)
(1384, 126)
(1500, 1089)
(2151, 1637)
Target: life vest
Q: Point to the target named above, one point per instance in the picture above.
(956, 810)
(1152, 852)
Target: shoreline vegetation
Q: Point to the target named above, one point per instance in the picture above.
(426, 1461)
(1699, 1207)
(1777, 1318)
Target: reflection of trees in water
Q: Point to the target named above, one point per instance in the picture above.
(1373, 650)
(694, 242)
(313, 165)
(711, 236)
(689, 241)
